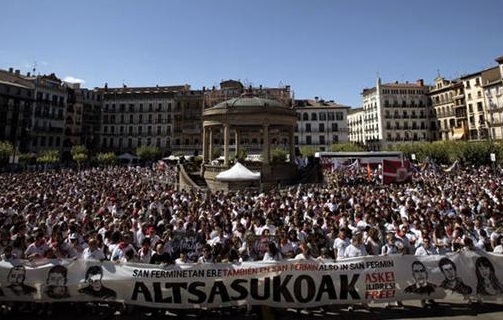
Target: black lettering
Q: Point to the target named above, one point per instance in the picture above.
(280, 289)
(326, 285)
(348, 288)
(158, 292)
(141, 288)
(236, 286)
(297, 291)
(254, 284)
(194, 290)
(219, 289)
(177, 294)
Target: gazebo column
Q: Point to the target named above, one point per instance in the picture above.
(210, 143)
(266, 148)
(226, 144)
(291, 138)
(205, 145)
(237, 136)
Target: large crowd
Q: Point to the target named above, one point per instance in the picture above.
(136, 214)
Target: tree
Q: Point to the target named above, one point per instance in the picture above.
(79, 154)
(279, 155)
(148, 152)
(48, 157)
(340, 147)
(6, 150)
(106, 158)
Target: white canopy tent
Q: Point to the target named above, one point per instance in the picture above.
(127, 156)
(238, 173)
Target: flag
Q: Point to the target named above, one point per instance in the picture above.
(396, 171)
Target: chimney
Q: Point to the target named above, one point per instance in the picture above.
(17, 72)
(11, 70)
(28, 74)
(420, 82)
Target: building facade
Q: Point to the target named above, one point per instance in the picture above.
(396, 113)
(16, 108)
(320, 124)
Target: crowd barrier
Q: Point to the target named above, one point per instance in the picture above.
(284, 284)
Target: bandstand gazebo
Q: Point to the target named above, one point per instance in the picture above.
(256, 125)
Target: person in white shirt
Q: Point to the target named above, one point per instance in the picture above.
(93, 252)
(305, 253)
(426, 248)
(272, 253)
(340, 244)
(356, 248)
(499, 248)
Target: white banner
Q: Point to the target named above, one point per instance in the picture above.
(278, 284)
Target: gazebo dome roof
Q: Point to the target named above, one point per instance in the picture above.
(247, 100)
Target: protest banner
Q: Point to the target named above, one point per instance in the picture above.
(284, 284)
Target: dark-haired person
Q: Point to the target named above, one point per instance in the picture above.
(487, 282)
(452, 281)
(95, 287)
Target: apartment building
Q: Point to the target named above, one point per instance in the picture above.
(320, 123)
(355, 125)
(448, 100)
(492, 85)
(168, 117)
(49, 116)
(395, 113)
(84, 118)
(16, 108)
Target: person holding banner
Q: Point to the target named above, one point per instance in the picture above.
(340, 244)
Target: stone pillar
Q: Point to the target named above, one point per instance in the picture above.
(226, 144)
(210, 144)
(291, 137)
(205, 145)
(237, 136)
(266, 148)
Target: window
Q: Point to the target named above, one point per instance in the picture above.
(339, 115)
(308, 139)
(321, 127)
(314, 116)
(335, 127)
(308, 127)
(305, 116)
(323, 116)
(322, 139)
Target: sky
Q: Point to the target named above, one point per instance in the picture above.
(331, 49)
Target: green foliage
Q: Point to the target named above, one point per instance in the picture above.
(308, 151)
(148, 152)
(28, 158)
(279, 155)
(241, 155)
(341, 147)
(215, 153)
(48, 157)
(106, 158)
(6, 149)
(446, 152)
(79, 149)
(79, 154)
